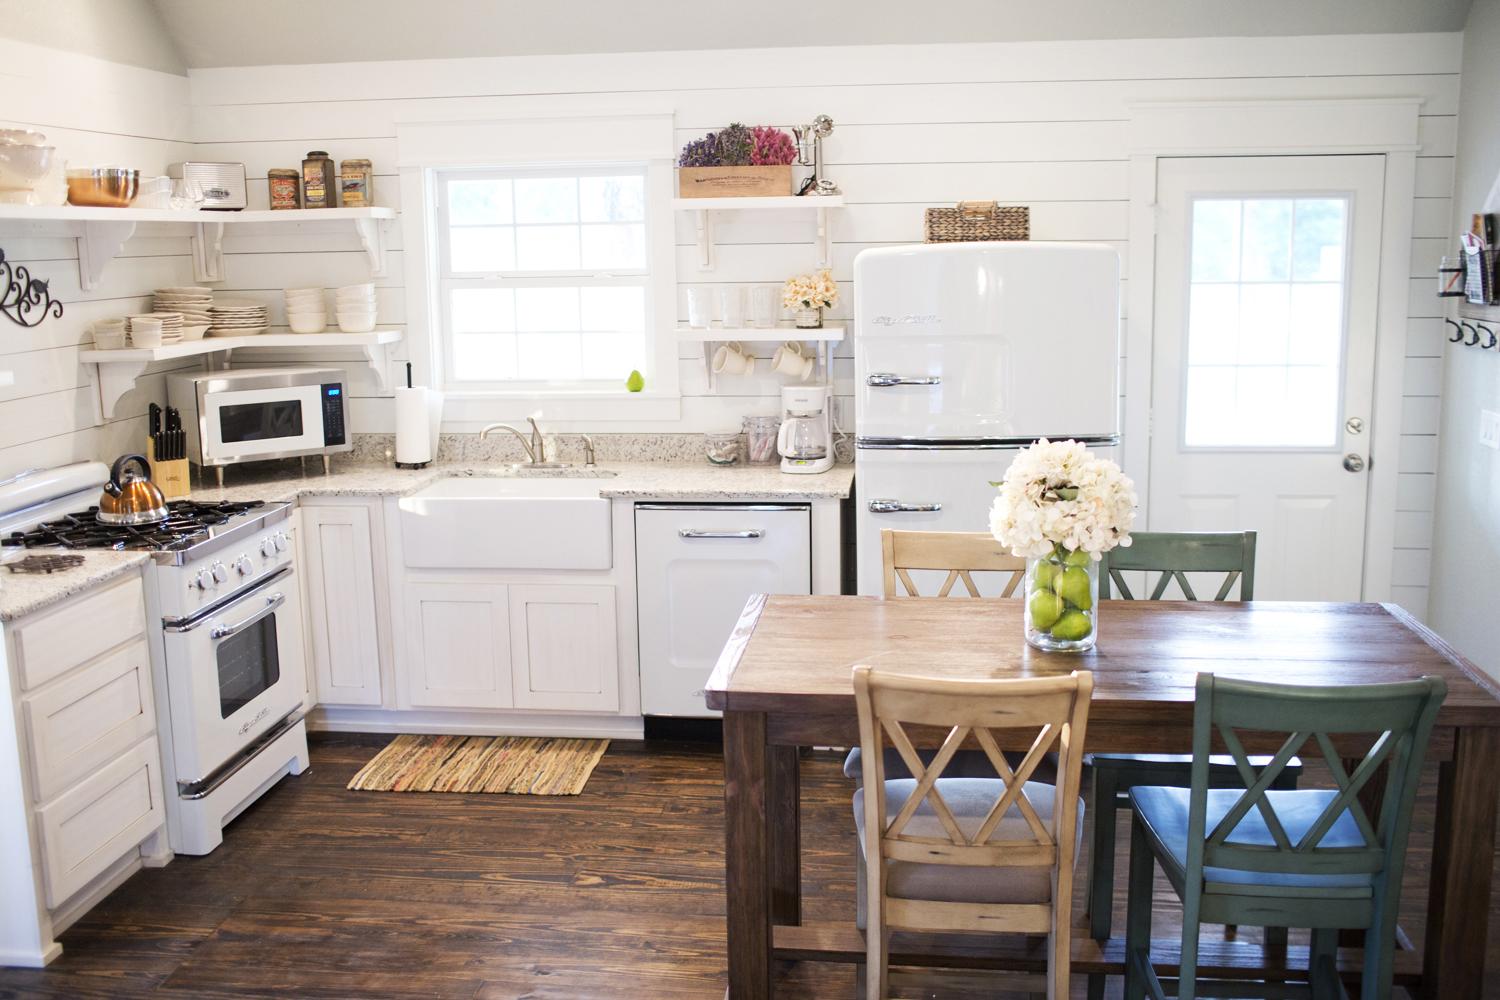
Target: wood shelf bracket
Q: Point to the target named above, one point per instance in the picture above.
(372, 238)
(98, 244)
(824, 252)
(208, 251)
(113, 381)
(378, 357)
(704, 225)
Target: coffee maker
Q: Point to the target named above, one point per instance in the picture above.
(806, 437)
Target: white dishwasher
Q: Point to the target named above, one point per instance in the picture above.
(696, 565)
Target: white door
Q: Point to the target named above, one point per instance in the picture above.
(458, 645)
(564, 648)
(341, 606)
(1263, 360)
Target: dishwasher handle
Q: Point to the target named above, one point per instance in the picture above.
(697, 533)
(897, 507)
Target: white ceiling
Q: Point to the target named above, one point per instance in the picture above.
(276, 32)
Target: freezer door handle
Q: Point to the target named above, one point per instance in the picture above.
(897, 507)
(882, 380)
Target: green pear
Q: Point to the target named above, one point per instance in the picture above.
(1076, 557)
(1073, 587)
(1043, 575)
(636, 382)
(1046, 608)
(1072, 626)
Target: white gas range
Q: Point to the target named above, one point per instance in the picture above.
(226, 642)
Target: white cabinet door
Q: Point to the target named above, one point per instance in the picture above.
(341, 604)
(696, 566)
(459, 653)
(564, 649)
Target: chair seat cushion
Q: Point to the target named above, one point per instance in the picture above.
(965, 764)
(970, 799)
(1165, 813)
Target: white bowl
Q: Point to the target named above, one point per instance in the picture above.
(194, 332)
(305, 300)
(367, 288)
(145, 338)
(356, 324)
(306, 311)
(307, 324)
(109, 340)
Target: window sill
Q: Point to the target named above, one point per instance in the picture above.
(559, 407)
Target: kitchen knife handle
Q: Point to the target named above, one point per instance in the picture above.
(883, 380)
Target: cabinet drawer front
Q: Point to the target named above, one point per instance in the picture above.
(99, 820)
(56, 641)
(85, 720)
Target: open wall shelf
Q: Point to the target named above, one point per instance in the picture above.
(703, 209)
(102, 232)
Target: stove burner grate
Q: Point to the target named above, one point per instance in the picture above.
(187, 523)
(44, 564)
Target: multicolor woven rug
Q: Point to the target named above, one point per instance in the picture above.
(516, 765)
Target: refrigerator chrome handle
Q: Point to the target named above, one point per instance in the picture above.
(897, 507)
(882, 380)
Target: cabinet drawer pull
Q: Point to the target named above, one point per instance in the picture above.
(695, 533)
(897, 507)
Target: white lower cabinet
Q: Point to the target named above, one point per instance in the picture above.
(564, 648)
(459, 652)
(342, 606)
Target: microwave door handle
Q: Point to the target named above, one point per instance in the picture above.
(273, 602)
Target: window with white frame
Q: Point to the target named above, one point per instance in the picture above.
(545, 277)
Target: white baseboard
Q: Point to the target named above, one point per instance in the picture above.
(329, 719)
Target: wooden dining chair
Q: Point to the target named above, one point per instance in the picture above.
(1302, 858)
(960, 554)
(1172, 555)
(970, 855)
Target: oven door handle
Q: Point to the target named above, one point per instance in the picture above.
(201, 617)
(273, 602)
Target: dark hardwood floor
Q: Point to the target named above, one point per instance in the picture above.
(617, 893)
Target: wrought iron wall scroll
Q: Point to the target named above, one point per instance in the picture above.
(24, 299)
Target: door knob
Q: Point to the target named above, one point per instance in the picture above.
(1354, 463)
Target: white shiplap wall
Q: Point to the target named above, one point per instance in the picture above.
(1041, 124)
(96, 113)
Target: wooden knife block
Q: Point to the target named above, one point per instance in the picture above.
(172, 478)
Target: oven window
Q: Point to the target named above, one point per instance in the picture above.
(260, 421)
(248, 665)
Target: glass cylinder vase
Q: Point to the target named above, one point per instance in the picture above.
(1062, 601)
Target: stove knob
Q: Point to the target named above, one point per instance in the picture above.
(220, 572)
(244, 565)
(204, 580)
(268, 547)
(281, 541)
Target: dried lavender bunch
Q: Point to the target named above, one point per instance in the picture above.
(702, 152)
(736, 143)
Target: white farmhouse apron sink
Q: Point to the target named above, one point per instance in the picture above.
(507, 523)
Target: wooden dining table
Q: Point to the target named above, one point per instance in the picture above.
(783, 682)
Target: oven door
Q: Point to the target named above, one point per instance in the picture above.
(233, 673)
(246, 424)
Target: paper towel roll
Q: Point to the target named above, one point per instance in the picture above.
(419, 413)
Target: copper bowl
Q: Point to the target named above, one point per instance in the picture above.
(103, 187)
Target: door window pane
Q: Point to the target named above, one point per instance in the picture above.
(1265, 336)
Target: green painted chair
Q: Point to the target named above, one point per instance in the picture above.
(1173, 555)
(1299, 858)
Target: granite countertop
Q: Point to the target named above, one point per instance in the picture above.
(23, 593)
(633, 480)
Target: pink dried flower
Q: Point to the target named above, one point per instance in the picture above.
(772, 147)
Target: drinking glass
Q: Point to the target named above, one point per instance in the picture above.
(700, 307)
(731, 306)
(765, 309)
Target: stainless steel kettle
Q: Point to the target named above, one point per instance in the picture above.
(129, 498)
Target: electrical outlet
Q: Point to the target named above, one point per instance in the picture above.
(1489, 429)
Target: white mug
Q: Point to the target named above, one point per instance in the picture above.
(700, 307)
(731, 359)
(789, 360)
(731, 306)
(764, 307)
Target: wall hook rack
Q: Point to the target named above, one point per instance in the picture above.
(24, 299)
(1490, 343)
(1458, 331)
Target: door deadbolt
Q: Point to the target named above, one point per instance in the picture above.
(1354, 463)
(1354, 425)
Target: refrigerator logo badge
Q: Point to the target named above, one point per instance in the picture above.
(910, 319)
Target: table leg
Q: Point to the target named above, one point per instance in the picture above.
(747, 856)
(785, 820)
(1463, 860)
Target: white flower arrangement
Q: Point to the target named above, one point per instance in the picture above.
(1059, 493)
(811, 291)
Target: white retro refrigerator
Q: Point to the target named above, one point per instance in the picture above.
(965, 353)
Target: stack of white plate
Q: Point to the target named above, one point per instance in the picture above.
(356, 304)
(192, 302)
(306, 310)
(237, 318)
(170, 323)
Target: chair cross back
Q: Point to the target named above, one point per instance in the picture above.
(960, 553)
(1320, 716)
(1175, 554)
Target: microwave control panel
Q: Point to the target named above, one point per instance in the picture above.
(333, 413)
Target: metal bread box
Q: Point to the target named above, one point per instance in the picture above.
(223, 183)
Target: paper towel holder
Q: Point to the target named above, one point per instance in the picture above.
(419, 418)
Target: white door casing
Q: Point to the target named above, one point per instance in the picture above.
(1267, 282)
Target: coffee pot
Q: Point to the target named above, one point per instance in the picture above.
(805, 440)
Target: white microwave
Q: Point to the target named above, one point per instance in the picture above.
(254, 414)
